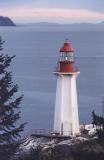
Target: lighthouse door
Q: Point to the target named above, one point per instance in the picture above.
(61, 128)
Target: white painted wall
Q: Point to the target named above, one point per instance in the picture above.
(66, 107)
(103, 106)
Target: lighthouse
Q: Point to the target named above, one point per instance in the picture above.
(66, 118)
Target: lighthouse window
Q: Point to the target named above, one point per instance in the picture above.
(66, 57)
(62, 57)
(71, 58)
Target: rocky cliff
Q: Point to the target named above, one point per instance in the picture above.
(43, 148)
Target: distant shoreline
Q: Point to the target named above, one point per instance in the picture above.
(40, 28)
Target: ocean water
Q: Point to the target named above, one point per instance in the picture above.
(36, 58)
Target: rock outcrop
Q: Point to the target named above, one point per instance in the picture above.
(5, 21)
(49, 148)
(46, 148)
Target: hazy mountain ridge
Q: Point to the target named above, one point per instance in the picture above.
(59, 24)
(6, 21)
(46, 26)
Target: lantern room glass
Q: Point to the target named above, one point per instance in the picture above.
(66, 57)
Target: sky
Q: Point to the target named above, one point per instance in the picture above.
(60, 11)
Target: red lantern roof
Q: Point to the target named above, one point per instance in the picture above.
(66, 47)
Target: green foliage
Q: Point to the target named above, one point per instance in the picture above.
(7, 150)
(9, 102)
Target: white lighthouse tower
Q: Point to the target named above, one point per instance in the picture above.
(66, 118)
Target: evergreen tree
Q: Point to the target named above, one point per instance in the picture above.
(9, 102)
(98, 122)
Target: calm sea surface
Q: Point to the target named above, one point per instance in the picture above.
(36, 57)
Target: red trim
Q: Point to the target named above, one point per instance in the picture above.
(66, 66)
(66, 48)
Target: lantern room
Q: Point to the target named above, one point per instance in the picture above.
(66, 60)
